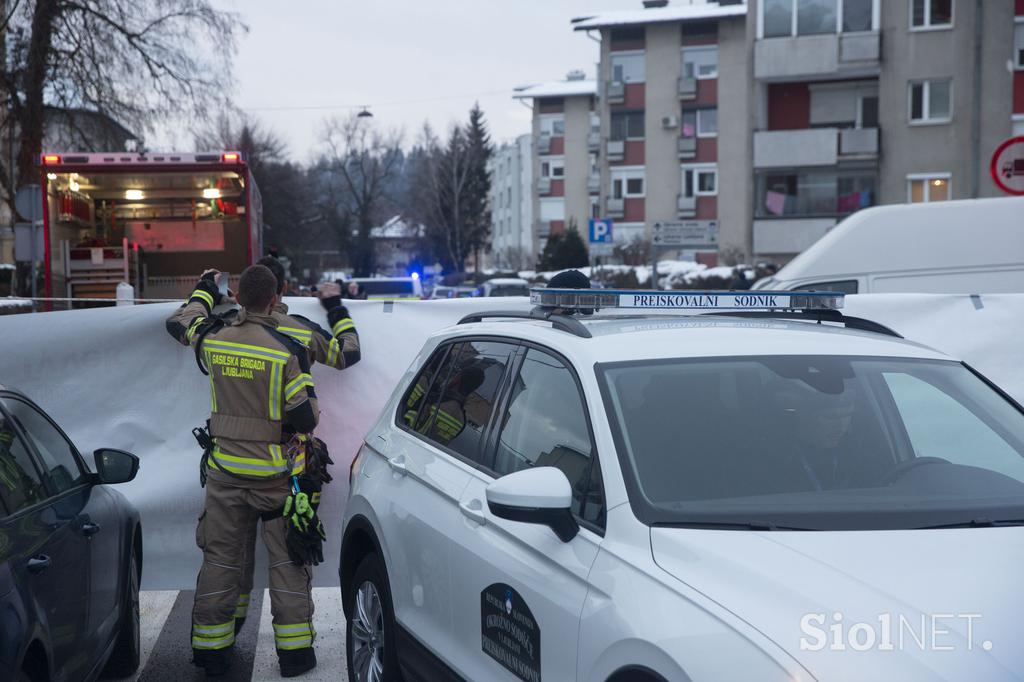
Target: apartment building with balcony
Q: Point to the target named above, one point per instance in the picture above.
(777, 118)
(671, 79)
(513, 243)
(864, 102)
(565, 144)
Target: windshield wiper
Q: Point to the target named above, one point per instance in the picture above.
(728, 525)
(980, 522)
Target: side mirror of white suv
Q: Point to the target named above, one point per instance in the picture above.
(541, 495)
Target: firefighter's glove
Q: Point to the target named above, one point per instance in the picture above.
(305, 533)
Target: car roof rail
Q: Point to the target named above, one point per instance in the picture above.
(565, 323)
(818, 316)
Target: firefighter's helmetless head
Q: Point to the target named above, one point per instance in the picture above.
(257, 289)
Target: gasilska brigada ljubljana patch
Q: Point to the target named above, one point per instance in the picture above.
(509, 634)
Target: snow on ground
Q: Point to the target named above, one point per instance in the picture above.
(15, 303)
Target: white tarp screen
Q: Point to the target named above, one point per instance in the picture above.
(113, 377)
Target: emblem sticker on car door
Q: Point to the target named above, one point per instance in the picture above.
(509, 633)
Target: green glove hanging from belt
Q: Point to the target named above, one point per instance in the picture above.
(305, 533)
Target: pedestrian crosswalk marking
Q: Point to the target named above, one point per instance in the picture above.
(166, 655)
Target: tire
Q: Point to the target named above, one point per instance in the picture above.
(124, 659)
(370, 627)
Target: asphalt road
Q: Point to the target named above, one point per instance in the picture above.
(167, 653)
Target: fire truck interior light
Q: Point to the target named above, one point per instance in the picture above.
(211, 193)
(133, 194)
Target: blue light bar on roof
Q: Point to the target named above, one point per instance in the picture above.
(584, 299)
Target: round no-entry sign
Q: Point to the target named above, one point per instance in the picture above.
(1008, 166)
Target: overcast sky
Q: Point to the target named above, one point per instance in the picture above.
(409, 60)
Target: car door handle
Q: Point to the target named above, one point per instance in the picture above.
(90, 529)
(397, 465)
(38, 563)
(474, 510)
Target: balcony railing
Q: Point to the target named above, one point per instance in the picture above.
(616, 92)
(543, 143)
(687, 88)
(687, 206)
(687, 147)
(544, 185)
(593, 141)
(812, 146)
(544, 229)
(816, 55)
(593, 184)
(858, 142)
(616, 150)
(616, 207)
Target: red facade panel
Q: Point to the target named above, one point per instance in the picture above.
(557, 188)
(1018, 91)
(1020, 8)
(634, 155)
(634, 212)
(707, 208)
(707, 93)
(626, 45)
(707, 150)
(557, 146)
(789, 106)
(635, 94)
(557, 226)
(551, 105)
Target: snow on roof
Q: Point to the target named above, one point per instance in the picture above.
(557, 89)
(396, 228)
(659, 14)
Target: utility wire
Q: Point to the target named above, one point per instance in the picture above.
(327, 107)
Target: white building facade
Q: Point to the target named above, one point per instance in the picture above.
(514, 244)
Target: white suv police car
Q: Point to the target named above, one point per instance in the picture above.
(642, 496)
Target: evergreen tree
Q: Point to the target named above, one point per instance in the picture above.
(564, 250)
(478, 186)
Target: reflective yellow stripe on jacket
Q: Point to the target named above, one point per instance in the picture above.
(249, 466)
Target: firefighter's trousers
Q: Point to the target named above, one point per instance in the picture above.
(231, 508)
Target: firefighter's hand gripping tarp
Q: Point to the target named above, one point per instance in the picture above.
(112, 377)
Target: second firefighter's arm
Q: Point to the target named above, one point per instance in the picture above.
(338, 348)
(300, 407)
(184, 324)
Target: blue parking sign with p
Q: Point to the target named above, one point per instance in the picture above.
(600, 231)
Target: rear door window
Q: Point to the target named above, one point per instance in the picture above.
(59, 459)
(21, 484)
(459, 402)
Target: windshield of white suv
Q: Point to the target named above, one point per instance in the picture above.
(815, 443)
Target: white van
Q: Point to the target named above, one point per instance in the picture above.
(974, 246)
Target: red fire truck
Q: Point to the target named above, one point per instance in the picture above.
(154, 220)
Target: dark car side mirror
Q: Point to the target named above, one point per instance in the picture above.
(115, 466)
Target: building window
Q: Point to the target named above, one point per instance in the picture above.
(628, 185)
(552, 124)
(552, 209)
(627, 67)
(926, 14)
(552, 167)
(815, 17)
(700, 62)
(707, 122)
(688, 120)
(627, 125)
(928, 187)
(784, 18)
(700, 181)
(931, 101)
(805, 193)
(857, 15)
(1018, 44)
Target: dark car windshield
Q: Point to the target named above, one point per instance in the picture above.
(815, 442)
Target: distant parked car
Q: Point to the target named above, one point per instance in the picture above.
(504, 287)
(70, 554)
(389, 288)
(452, 292)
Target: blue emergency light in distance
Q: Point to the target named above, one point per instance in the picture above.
(640, 299)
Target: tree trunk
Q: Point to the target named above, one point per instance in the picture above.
(32, 124)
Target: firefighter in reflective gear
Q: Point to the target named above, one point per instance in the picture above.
(449, 417)
(338, 348)
(260, 385)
